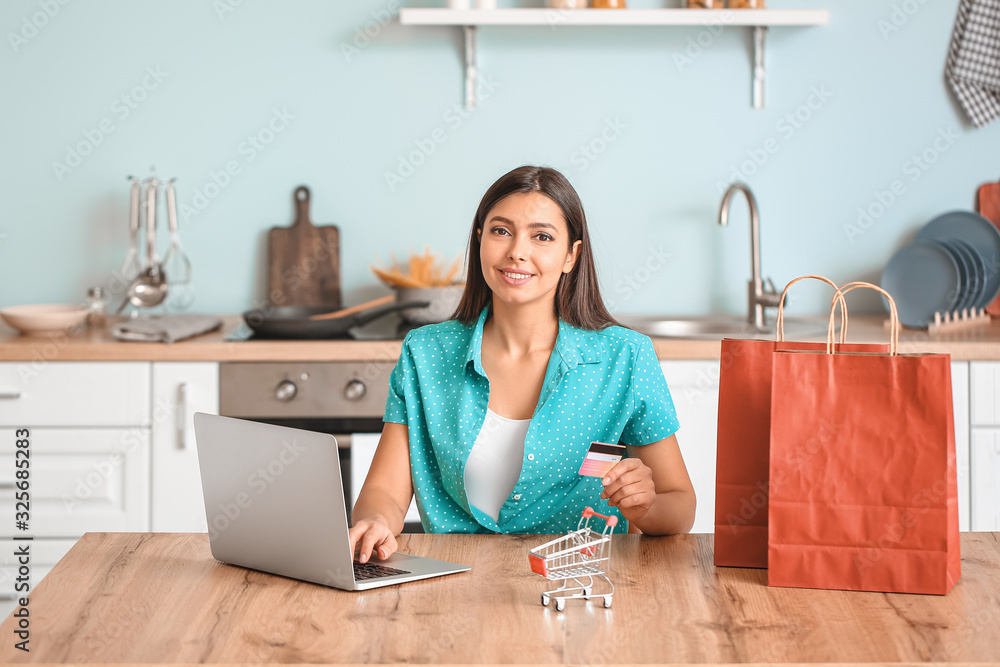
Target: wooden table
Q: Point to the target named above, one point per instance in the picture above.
(161, 598)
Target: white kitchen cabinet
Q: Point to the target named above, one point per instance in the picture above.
(78, 393)
(984, 388)
(88, 427)
(984, 397)
(94, 479)
(986, 479)
(694, 386)
(363, 446)
(179, 389)
(44, 554)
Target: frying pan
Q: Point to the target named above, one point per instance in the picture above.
(292, 322)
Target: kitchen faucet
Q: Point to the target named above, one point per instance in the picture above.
(758, 298)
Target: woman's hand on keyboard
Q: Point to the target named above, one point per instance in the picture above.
(372, 537)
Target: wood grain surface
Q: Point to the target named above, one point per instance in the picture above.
(161, 598)
(303, 261)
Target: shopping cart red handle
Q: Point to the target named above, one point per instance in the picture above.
(589, 512)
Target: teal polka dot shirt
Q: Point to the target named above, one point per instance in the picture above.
(599, 385)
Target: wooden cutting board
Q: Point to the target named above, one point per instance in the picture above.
(303, 261)
(989, 207)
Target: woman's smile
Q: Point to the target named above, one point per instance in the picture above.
(514, 277)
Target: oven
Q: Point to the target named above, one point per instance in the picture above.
(343, 398)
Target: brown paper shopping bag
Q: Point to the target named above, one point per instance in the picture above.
(863, 478)
(741, 477)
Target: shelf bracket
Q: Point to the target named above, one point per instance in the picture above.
(759, 35)
(471, 72)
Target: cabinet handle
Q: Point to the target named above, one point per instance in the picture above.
(180, 415)
(10, 394)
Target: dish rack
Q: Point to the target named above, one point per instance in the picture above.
(956, 320)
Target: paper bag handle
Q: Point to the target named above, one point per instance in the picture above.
(780, 322)
(893, 314)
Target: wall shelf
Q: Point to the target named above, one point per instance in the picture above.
(757, 19)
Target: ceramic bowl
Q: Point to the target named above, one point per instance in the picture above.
(44, 319)
(443, 301)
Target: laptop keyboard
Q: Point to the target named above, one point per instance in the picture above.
(374, 571)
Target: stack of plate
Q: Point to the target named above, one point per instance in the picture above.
(953, 264)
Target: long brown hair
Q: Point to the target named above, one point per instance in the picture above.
(578, 295)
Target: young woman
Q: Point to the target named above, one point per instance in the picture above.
(490, 414)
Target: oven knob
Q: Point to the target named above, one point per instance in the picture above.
(355, 390)
(286, 390)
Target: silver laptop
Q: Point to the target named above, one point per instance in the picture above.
(275, 502)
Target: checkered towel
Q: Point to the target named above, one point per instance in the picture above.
(973, 67)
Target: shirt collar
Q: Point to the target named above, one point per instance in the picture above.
(574, 346)
(475, 353)
(578, 346)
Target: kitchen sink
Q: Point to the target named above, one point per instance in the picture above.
(720, 325)
(755, 322)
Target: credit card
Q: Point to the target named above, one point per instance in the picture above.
(601, 458)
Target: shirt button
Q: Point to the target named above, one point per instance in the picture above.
(531, 457)
(517, 496)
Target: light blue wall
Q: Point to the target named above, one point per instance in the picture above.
(684, 128)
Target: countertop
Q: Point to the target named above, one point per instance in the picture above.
(980, 343)
(162, 598)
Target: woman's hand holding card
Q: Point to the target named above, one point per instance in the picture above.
(629, 487)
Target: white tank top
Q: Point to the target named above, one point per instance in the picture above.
(495, 462)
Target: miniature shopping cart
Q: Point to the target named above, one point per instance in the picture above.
(576, 559)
